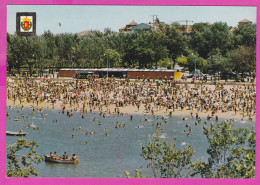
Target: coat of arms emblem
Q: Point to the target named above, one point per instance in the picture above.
(26, 23)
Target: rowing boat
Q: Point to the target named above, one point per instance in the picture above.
(59, 160)
(9, 133)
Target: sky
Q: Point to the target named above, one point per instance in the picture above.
(75, 18)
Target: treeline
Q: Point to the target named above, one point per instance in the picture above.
(213, 47)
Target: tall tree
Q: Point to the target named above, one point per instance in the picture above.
(176, 42)
(198, 27)
(113, 57)
(246, 35)
(215, 36)
(50, 49)
(165, 160)
(192, 61)
(219, 63)
(146, 48)
(17, 51)
(228, 149)
(243, 59)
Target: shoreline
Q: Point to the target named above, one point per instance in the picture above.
(129, 110)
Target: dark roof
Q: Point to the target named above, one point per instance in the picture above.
(143, 26)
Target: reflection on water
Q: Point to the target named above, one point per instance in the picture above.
(106, 147)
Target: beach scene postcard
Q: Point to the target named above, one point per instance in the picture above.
(137, 92)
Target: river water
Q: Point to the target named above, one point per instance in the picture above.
(101, 155)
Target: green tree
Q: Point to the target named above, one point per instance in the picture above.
(50, 50)
(244, 166)
(35, 53)
(21, 155)
(165, 160)
(138, 174)
(219, 63)
(11, 59)
(246, 35)
(158, 44)
(215, 36)
(113, 57)
(16, 51)
(176, 43)
(60, 44)
(182, 61)
(130, 55)
(191, 60)
(231, 153)
(198, 27)
(70, 44)
(86, 48)
(243, 59)
(76, 53)
(146, 48)
(167, 63)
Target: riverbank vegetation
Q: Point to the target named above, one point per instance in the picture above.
(21, 156)
(231, 154)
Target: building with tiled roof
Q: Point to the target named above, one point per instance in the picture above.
(244, 21)
(133, 23)
(142, 26)
(133, 26)
(128, 27)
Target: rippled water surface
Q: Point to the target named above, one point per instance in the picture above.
(102, 156)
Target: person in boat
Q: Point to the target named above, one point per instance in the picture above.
(65, 156)
(20, 131)
(51, 155)
(74, 157)
(55, 155)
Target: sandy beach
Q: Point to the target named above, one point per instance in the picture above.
(128, 108)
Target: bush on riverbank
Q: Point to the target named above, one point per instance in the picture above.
(231, 155)
(20, 164)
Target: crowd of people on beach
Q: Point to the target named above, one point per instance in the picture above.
(145, 96)
(129, 97)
